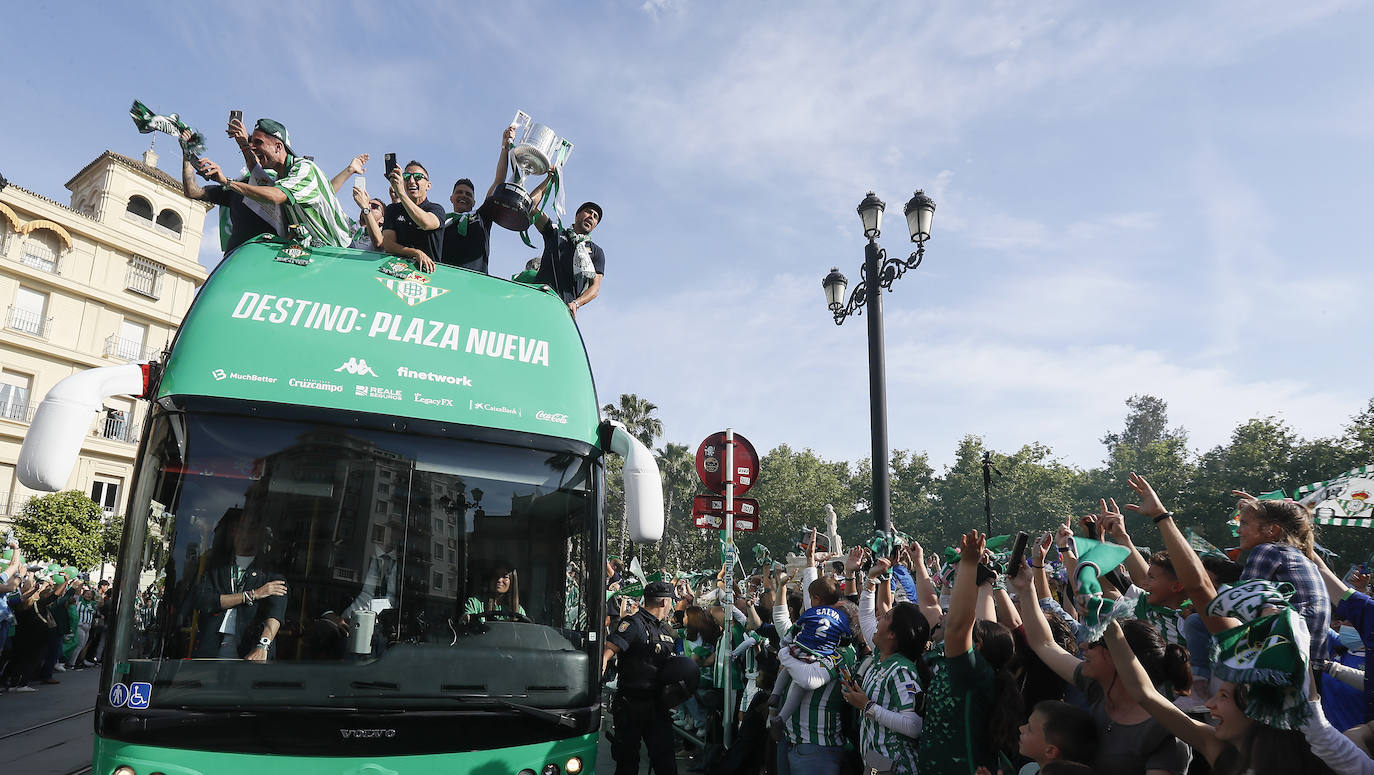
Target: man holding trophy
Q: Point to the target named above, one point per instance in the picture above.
(467, 234)
(571, 264)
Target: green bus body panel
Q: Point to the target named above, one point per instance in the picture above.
(110, 754)
(357, 331)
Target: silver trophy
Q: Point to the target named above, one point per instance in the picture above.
(537, 150)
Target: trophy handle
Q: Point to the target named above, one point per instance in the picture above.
(521, 122)
(561, 154)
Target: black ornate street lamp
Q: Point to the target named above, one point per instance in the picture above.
(879, 272)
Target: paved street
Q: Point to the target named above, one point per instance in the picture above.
(50, 731)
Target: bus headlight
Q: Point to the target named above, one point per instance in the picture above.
(550, 769)
(123, 769)
(573, 766)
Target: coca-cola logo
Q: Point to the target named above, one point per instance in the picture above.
(558, 417)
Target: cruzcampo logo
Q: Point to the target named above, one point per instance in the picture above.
(410, 291)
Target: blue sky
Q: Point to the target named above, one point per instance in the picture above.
(1158, 198)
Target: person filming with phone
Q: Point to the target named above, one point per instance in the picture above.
(411, 225)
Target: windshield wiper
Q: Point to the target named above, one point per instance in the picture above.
(562, 719)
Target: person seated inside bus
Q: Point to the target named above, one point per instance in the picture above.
(500, 591)
(241, 601)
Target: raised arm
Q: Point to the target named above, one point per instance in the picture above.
(189, 186)
(1038, 634)
(1114, 525)
(1187, 567)
(1039, 575)
(356, 166)
(503, 160)
(963, 601)
(927, 597)
(1137, 682)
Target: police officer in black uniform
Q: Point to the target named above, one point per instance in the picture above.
(644, 642)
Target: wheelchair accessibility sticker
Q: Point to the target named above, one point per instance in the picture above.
(139, 695)
(119, 694)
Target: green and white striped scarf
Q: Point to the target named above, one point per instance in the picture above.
(312, 205)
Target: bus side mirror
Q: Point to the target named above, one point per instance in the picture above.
(64, 418)
(643, 485)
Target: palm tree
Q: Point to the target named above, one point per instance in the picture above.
(637, 416)
(678, 467)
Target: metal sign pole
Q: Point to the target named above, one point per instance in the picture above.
(728, 713)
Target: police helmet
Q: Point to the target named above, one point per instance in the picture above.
(678, 679)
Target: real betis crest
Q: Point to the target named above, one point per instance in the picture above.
(411, 290)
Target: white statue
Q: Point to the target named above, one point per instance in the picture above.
(832, 530)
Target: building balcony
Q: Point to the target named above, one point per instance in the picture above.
(28, 322)
(127, 349)
(17, 412)
(117, 428)
(42, 263)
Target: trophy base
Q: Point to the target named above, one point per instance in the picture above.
(509, 207)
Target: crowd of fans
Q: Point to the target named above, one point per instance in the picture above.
(1084, 654)
(52, 619)
(288, 195)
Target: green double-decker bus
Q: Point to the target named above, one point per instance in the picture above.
(365, 533)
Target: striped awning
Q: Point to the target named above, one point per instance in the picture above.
(43, 223)
(1344, 521)
(10, 215)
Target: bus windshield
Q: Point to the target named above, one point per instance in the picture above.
(382, 569)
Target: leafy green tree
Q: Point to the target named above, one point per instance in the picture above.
(1257, 459)
(61, 526)
(792, 490)
(911, 482)
(111, 533)
(1032, 491)
(1148, 446)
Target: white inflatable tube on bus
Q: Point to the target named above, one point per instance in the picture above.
(643, 486)
(64, 418)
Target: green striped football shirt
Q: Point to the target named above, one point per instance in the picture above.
(819, 721)
(311, 204)
(891, 684)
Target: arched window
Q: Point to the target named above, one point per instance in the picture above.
(140, 207)
(171, 221)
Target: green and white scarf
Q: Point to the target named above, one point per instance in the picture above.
(1267, 654)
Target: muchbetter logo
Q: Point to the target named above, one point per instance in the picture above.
(218, 374)
(356, 366)
(411, 291)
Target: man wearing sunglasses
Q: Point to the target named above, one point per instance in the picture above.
(410, 227)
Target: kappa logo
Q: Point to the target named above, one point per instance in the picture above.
(410, 291)
(356, 366)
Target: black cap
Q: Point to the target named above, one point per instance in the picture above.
(593, 206)
(659, 589)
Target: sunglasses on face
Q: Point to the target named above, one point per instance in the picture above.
(412, 176)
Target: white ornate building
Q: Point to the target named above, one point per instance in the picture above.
(103, 280)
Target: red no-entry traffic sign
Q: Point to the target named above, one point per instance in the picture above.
(711, 463)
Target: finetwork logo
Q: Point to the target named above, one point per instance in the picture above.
(429, 376)
(356, 366)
